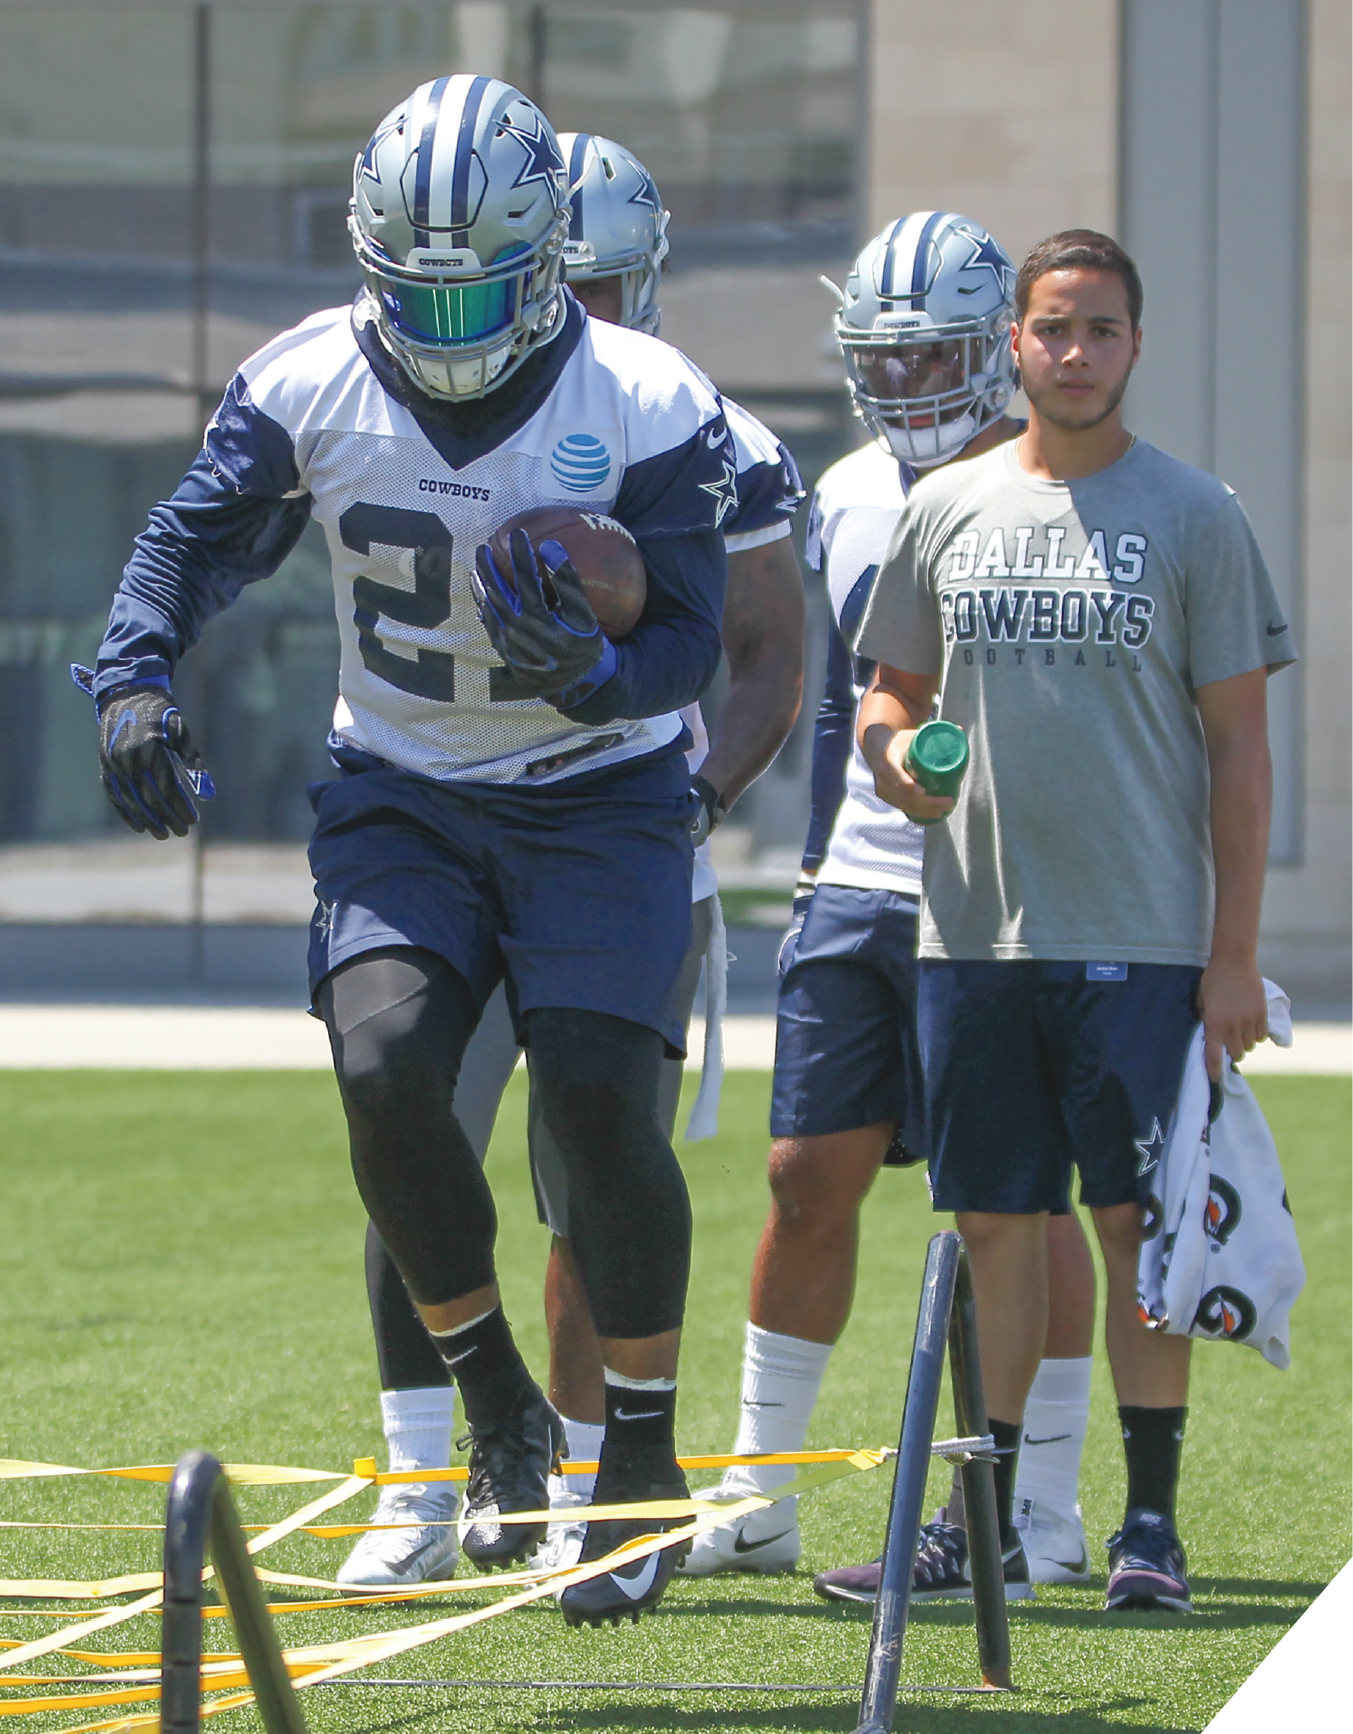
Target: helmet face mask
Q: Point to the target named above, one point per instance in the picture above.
(458, 219)
(924, 328)
(618, 226)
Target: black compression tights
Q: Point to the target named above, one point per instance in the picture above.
(399, 1022)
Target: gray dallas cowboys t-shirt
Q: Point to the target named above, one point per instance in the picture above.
(1071, 623)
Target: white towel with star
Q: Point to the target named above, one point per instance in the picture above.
(1220, 1258)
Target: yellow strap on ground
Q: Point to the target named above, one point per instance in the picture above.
(239, 1474)
(314, 1663)
(119, 1615)
(718, 1460)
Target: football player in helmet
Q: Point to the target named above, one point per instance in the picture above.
(612, 262)
(924, 326)
(512, 798)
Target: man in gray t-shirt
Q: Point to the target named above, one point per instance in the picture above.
(1097, 616)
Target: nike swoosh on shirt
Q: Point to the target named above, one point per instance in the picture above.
(741, 1546)
(639, 1585)
(1276, 631)
(1052, 1439)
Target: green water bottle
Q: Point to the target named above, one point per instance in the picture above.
(937, 759)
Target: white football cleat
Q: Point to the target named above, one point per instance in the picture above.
(763, 1541)
(424, 1552)
(1054, 1543)
(563, 1541)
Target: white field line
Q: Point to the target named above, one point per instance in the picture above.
(245, 1038)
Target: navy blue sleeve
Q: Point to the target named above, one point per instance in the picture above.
(832, 733)
(834, 730)
(768, 494)
(693, 487)
(228, 524)
(672, 654)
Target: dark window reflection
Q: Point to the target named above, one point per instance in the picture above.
(110, 355)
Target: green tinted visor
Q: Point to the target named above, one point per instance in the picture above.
(449, 313)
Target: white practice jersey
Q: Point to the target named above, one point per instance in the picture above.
(769, 493)
(419, 683)
(854, 513)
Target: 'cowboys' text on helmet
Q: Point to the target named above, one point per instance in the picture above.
(459, 214)
(924, 326)
(618, 227)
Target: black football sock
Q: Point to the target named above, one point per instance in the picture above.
(1152, 1440)
(1007, 1437)
(640, 1432)
(483, 1360)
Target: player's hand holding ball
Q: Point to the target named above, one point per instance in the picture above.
(152, 772)
(551, 643)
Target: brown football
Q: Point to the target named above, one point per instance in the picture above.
(604, 555)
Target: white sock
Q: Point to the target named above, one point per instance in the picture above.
(418, 1426)
(584, 1446)
(1055, 1418)
(781, 1377)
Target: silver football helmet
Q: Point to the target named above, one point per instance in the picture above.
(459, 213)
(924, 326)
(618, 226)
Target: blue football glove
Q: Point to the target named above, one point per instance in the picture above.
(152, 773)
(551, 641)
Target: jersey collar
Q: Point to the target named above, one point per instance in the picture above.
(464, 432)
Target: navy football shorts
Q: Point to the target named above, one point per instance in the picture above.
(577, 893)
(1032, 1067)
(845, 1036)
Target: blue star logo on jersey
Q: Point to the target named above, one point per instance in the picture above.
(724, 493)
(987, 256)
(646, 193)
(543, 161)
(1150, 1150)
(580, 462)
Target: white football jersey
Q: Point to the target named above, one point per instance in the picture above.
(420, 685)
(854, 512)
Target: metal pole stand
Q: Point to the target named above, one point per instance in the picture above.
(947, 1316)
(201, 1514)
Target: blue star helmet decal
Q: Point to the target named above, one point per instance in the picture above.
(987, 256)
(724, 493)
(646, 193)
(543, 161)
(392, 124)
(1150, 1149)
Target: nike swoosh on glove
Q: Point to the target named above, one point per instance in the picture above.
(551, 642)
(152, 772)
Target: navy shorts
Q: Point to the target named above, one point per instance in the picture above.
(845, 1034)
(1032, 1067)
(578, 892)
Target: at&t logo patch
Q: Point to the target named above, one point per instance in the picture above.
(580, 462)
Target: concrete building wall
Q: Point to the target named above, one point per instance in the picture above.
(1006, 110)
(1306, 931)
(1009, 111)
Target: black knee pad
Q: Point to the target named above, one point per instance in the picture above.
(399, 1021)
(629, 1212)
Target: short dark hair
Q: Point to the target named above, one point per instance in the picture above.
(1080, 250)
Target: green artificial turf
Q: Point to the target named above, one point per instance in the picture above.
(182, 1266)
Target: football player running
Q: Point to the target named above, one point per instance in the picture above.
(612, 263)
(513, 798)
(924, 328)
